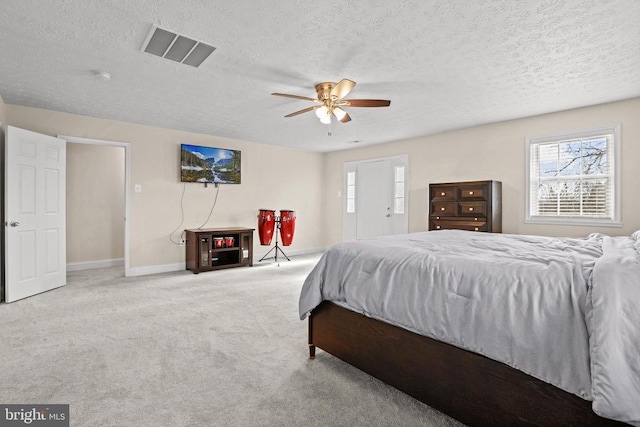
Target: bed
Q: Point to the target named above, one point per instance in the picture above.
(488, 328)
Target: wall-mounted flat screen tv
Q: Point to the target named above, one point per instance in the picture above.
(209, 164)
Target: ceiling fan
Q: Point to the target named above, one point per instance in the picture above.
(330, 101)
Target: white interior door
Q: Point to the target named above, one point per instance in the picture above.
(374, 203)
(35, 213)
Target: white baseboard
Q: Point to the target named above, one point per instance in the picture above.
(156, 269)
(168, 268)
(88, 265)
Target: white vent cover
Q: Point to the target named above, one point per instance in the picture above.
(176, 47)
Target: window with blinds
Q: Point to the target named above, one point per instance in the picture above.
(573, 178)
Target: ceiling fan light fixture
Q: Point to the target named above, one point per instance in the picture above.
(325, 119)
(322, 112)
(329, 101)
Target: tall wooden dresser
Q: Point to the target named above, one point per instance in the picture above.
(472, 205)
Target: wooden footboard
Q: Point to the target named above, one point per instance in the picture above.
(469, 387)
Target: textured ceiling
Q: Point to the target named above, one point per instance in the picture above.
(443, 64)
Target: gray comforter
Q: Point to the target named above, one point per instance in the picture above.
(563, 310)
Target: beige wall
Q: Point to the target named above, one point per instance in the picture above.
(281, 178)
(95, 203)
(272, 177)
(495, 151)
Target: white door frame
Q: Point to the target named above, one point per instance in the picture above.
(127, 181)
(349, 220)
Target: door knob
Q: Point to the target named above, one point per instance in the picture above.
(388, 215)
(14, 223)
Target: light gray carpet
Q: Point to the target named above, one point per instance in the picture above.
(222, 348)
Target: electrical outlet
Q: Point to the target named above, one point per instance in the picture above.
(181, 242)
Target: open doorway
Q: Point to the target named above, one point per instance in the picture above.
(97, 204)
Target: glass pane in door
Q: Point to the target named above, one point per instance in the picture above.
(204, 252)
(244, 247)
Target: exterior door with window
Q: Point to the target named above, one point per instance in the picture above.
(375, 198)
(34, 213)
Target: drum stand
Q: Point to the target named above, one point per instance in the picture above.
(276, 248)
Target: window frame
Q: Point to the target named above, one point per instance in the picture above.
(614, 220)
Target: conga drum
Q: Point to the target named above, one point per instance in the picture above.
(287, 226)
(266, 224)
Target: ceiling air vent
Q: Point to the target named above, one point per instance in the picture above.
(176, 47)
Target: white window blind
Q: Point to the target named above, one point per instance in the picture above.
(573, 178)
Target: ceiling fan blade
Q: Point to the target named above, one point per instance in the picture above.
(306, 110)
(346, 118)
(304, 98)
(342, 89)
(365, 102)
(341, 115)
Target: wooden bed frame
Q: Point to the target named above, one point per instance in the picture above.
(464, 385)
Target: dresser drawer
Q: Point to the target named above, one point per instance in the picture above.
(473, 193)
(443, 193)
(444, 208)
(469, 208)
(458, 225)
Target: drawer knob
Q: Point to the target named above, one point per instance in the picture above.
(437, 217)
(476, 229)
(475, 219)
(470, 209)
(471, 193)
(443, 194)
(442, 209)
(437, 227)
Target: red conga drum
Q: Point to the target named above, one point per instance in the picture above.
(266, 224)
(287, 226)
